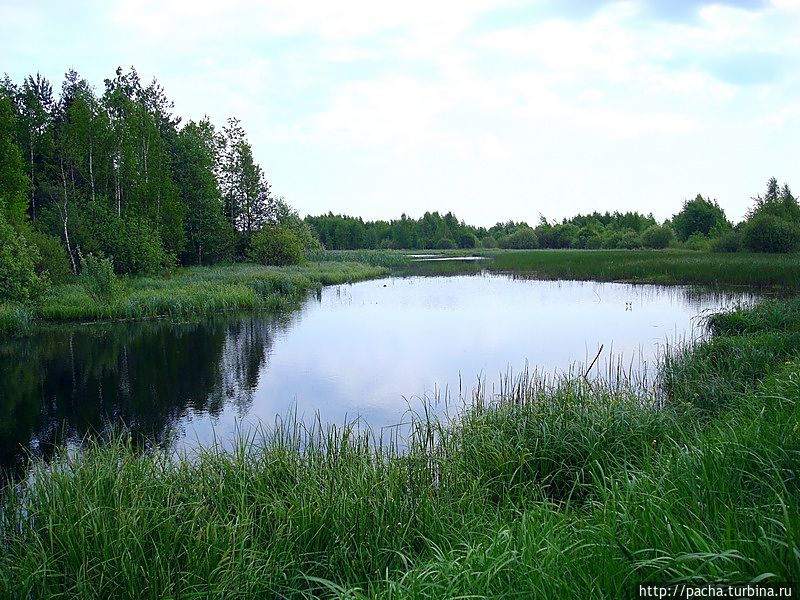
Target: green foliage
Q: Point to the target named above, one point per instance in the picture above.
(19, 281)
(699, 216)
(133, 242)
(731, 241)
(587, 237)
(777, 202)
(697, 242)
(489, 242)
(52, 257)
(275, 245)
(524, 238)
(467, 239)
(630, 240)
(209, 235)
(665, 266)
(14, 183)
(98, 279)
(287, 218)
(16, 319)
(563, 235)
(657, 236)
(203, 291)
(767, 233)
(445, 244)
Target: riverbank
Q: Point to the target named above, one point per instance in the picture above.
(778, 271)
(193, 291)
(198, 291)
(552, 491)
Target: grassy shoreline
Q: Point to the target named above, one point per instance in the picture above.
(552, 491)
(682, 267)
(199, 291)
(194, 291)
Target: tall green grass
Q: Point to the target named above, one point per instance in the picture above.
(645, 266)
(655, 266)
(202, 291)
(15, 320)
(558, 488)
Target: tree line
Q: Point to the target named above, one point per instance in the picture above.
(772, 225)
(116, 173)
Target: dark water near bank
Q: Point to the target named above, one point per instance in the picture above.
(371, 349)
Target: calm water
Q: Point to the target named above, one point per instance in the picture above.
(371, 349)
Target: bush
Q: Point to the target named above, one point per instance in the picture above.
(489, 242)
(698, 242)
(700, 215)
(467, 240)
(53, 257)
(594, 243)
(730, 241)
(587, 237)
(275, 245)
(629, 240)
(563, 235)
(657, 237)
(611, 240)
(768, 233)
(523, 238)
(445, 244)
(19, 281)
(134, 242)
(98, 278)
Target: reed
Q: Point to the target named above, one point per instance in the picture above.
(194, 291)
(557, 487)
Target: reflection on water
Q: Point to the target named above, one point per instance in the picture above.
(371, 349)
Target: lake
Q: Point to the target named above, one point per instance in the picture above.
(371, 350)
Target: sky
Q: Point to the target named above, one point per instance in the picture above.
(494, 110)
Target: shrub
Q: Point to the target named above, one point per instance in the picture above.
(98, 278)
(698, 242)
(523, 238)
(700, 215)
(467, 240)
(611, 240)
(134, 242)
(19, 281)
(730, 241)
(445, 244)
(587, 237)
(768, 233)
(657, 236)
(630, 240)
(275, 245)
(53, 258)
(489, 242)
(563, 235)
(594, 243)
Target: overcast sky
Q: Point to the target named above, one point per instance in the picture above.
(495, 110)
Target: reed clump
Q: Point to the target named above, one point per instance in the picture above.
(195, 291)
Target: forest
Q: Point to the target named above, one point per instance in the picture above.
(772, 225)
(118, 175)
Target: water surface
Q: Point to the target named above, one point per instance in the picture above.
(371, 350)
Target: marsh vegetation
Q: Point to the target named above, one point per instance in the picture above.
(544, 490)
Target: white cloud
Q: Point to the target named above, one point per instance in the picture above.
(546, 106)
